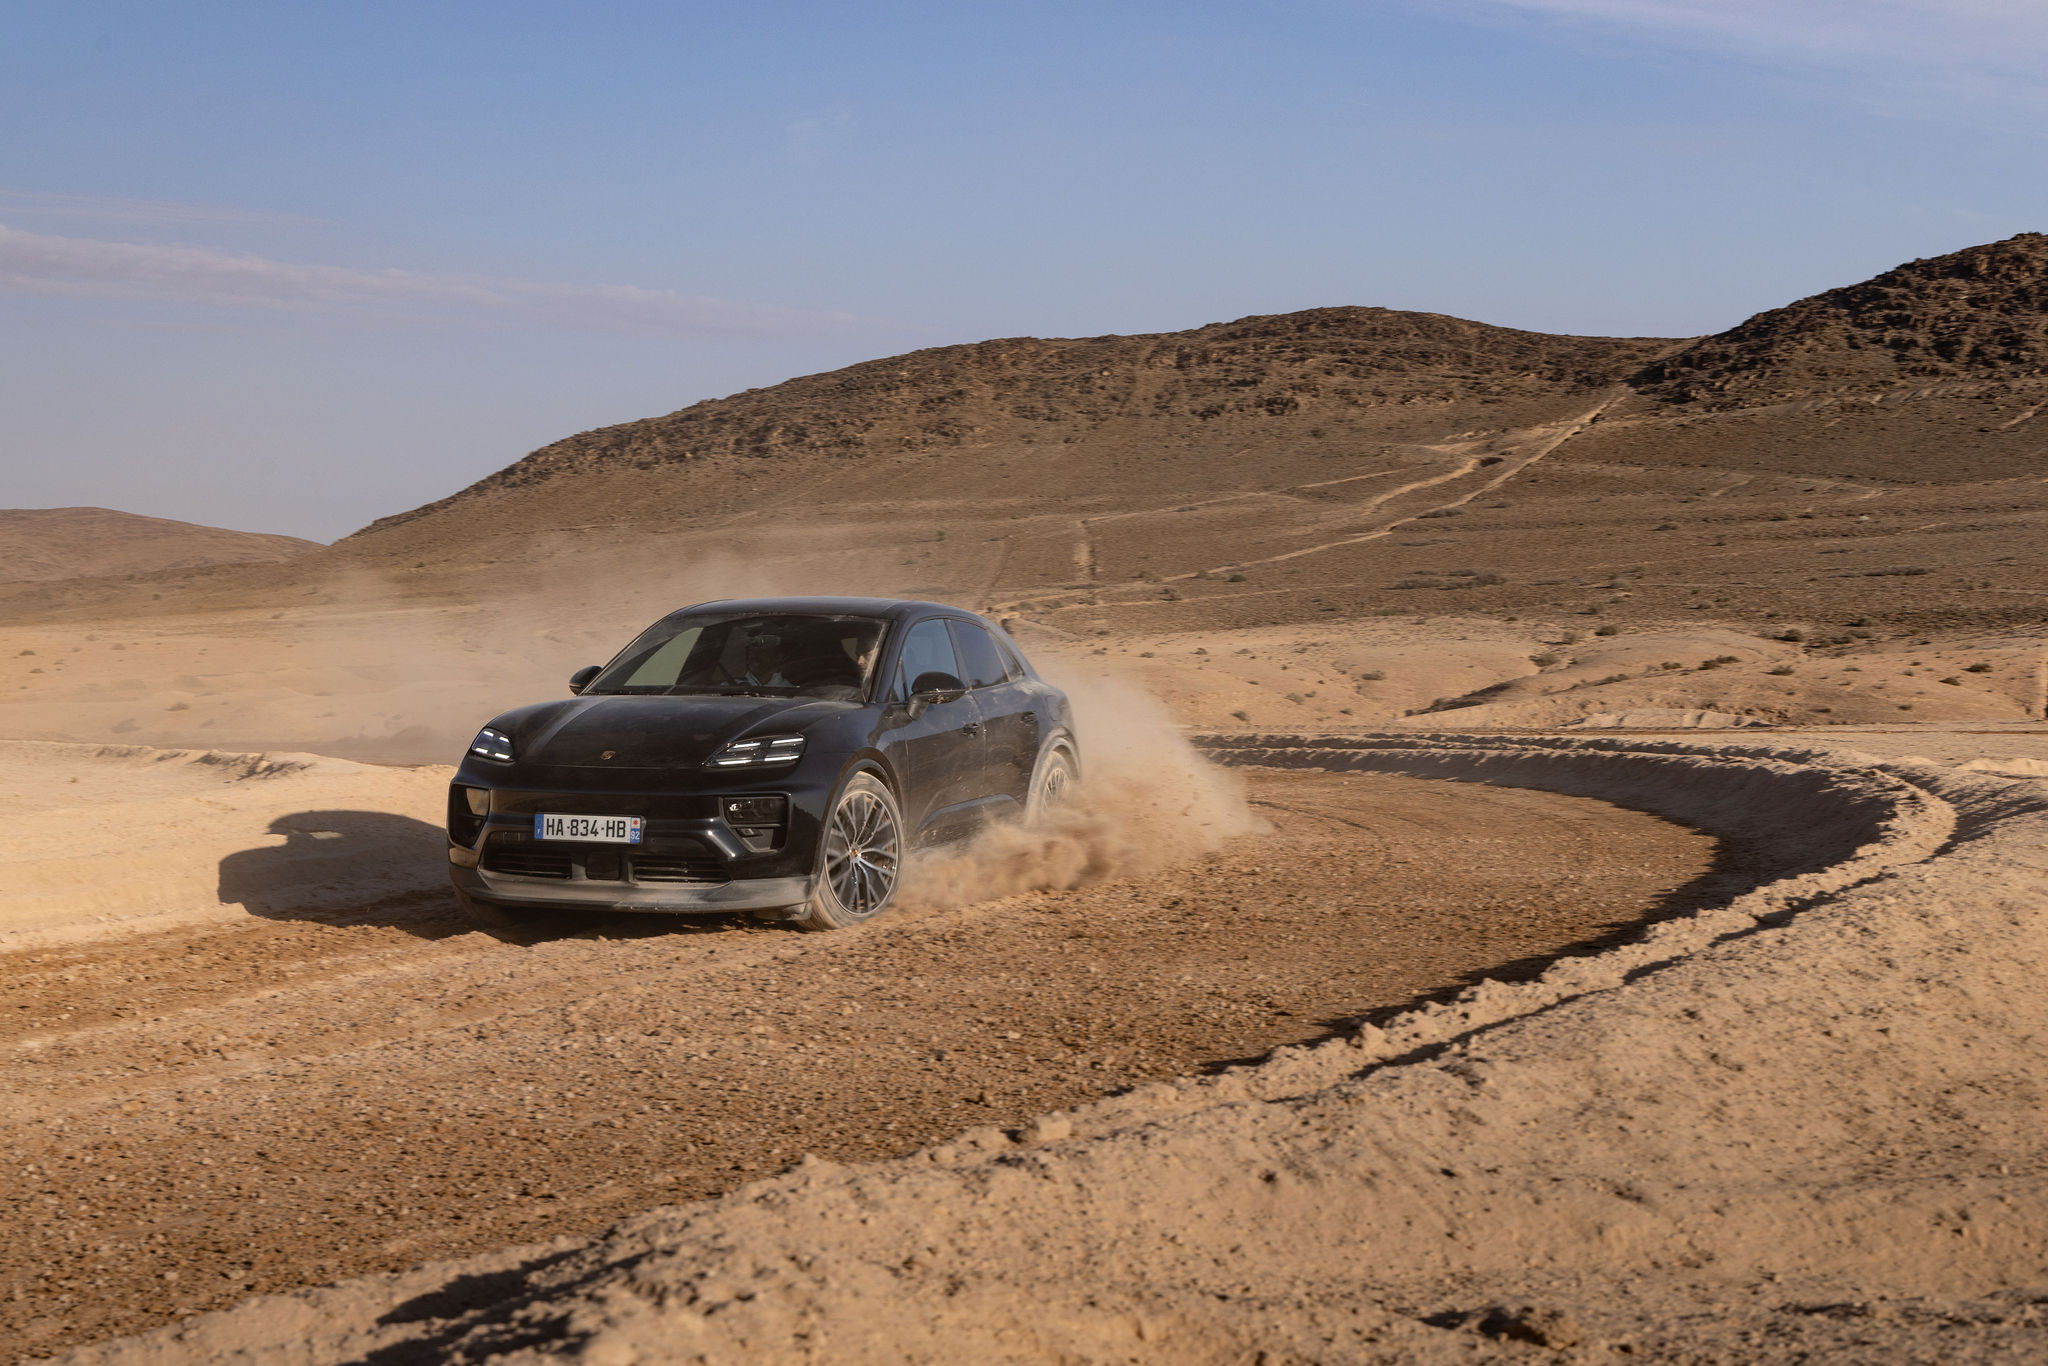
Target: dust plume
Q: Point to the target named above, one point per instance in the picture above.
(1146, 800)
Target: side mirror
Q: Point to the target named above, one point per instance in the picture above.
(934, 687)
(580, 680)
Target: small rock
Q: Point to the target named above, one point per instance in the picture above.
(1050, 1129)
(1544, 1327)
(608, 1349)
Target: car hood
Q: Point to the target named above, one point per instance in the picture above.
(650, 732)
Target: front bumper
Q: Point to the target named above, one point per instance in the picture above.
(746, 894)
(691, 858)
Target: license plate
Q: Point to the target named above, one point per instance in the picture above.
(595, 829)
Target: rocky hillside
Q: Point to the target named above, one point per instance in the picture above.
(45, 544)
(1271, 377)
(1974, 315)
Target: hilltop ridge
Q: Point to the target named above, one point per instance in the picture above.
(46, 544)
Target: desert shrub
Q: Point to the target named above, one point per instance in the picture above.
(1894, 573)
(1441, 512)
(1978, 669)
(1570, 638)
(1421, 583)
(1373, 675)
(1608, 630)
(1792, 633)
(1671, 664)
(1665, 526)
(1235, 578)
(1718, 660)
(1953, 682)
(1544, 660)
(1780, 671)
(1242, 716)
(1611, 678)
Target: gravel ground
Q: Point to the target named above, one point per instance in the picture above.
(195, 1117)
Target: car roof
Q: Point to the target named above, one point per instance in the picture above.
(892, 608)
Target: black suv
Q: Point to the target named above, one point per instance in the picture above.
(775, 755)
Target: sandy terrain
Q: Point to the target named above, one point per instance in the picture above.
(357, 1080)
(1798, 1123)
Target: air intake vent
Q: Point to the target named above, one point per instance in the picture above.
(509, 851)
(681, 862)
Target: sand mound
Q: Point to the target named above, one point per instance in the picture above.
(1799, 1123)
(1664, 718)
(105, 835)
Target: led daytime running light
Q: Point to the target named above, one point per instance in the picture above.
(492, 744)
(760, 752)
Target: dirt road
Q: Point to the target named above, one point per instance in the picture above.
(192, 1117)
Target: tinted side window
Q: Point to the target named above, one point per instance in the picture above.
(1011, 657)
(978, 653)
(927, 649)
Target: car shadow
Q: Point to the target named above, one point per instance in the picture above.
(347, 868)
(391, 871)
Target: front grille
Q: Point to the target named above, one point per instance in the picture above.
(509, 851)
(678, 868)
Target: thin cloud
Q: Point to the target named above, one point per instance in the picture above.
(1994, 48)
(16, 203)
(79, 267)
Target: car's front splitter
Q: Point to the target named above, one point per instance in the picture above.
(748, 894)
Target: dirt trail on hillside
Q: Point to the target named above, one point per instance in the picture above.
(254, 1106)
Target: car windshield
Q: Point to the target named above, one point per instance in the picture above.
(766, 655)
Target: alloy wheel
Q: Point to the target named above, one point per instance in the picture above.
(862, 853)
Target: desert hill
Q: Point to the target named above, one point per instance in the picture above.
(1976, 314)
(1930, 373)
(40, 544)
(1784, 522)
(1194, 409)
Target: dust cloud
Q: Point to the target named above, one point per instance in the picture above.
(1147, 800)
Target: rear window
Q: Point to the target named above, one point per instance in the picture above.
(979, 657)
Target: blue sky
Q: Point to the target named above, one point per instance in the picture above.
(293, 266)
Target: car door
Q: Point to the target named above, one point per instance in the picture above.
(1009, 719)
(939, 751)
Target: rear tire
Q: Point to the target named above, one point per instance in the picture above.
(860, 865)
(1051, 787)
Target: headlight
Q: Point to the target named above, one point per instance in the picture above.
(762, 751)
(492, 744)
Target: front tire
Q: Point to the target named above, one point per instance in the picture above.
(861, 863)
